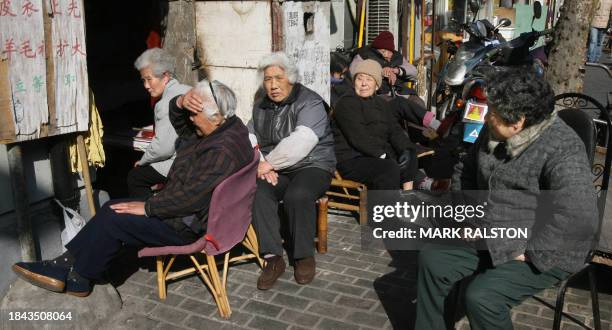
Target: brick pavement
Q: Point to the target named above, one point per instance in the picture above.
(353, 289)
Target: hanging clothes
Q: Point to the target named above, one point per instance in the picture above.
(92, 139)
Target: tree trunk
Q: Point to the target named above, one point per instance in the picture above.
(180, 39)
(568, 53)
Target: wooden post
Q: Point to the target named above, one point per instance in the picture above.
(86, 177)
(276, 13)
(21, 202)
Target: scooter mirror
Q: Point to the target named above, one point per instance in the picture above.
(475, 6)
(537, 10)
(504, 22)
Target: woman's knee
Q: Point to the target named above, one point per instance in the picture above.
(387, 174)
(299, 196)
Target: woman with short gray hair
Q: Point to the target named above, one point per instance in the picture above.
(290, 126)
(156, 68)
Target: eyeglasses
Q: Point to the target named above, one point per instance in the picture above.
(213, 93)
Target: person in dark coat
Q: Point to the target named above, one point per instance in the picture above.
(291, 127)
(534, 172)
(370, 145)
(340, 79)
(397, 72)
(215, 144)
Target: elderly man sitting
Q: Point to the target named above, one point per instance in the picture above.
(535, 173)
(215, 145)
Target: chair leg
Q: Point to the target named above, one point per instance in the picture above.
(207, 280)
(161, 278)
(224, 306)
(363, 205)
(594, 298)
(322, 226)
(559, 304)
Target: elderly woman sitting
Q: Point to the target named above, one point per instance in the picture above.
(371, 147)
(156, 68)
(291, 127)
(216, 146)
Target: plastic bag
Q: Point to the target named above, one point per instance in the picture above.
(73, 223)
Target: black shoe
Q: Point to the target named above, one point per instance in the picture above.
(44, 274)
(275, 267)
(77, 285)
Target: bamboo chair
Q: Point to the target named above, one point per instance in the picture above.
(229, 223)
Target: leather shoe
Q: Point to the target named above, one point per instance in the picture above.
(275, 267)
(43, 274)
(304, 270)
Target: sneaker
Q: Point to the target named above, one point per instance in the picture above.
(304, 270)
(76, 285)
(44, 274)
(275, 267)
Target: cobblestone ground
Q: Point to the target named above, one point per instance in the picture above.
(353, 289)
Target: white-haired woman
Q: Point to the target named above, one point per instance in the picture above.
(216, 145)
(291, 127)
(156, 68)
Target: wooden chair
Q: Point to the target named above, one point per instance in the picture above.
(229, 223)
(345, 195)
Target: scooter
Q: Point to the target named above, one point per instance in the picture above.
(465, 79)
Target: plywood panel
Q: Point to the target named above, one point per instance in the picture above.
(70, 66)
(22, 44)
(234, 33)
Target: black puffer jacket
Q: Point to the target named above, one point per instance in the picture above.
(367, 127)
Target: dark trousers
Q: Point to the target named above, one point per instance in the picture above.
(488, 297)
(141, 178)
(103, 236)
(408, 110)
(299, 192)
(377, 173)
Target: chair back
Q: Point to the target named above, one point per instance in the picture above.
(229, 215)
(583, 125)
(592, 123)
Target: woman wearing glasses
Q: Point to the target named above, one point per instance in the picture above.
(215, 145)
(156, 68)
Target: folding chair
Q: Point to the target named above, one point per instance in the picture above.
(229, 223)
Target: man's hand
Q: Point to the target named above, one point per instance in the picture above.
(136, 208)
(191, 102)
(136, 163)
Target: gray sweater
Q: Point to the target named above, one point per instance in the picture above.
(540, 181)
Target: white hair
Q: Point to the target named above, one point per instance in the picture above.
(225, 104)
(158, 60)
(281, 60)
